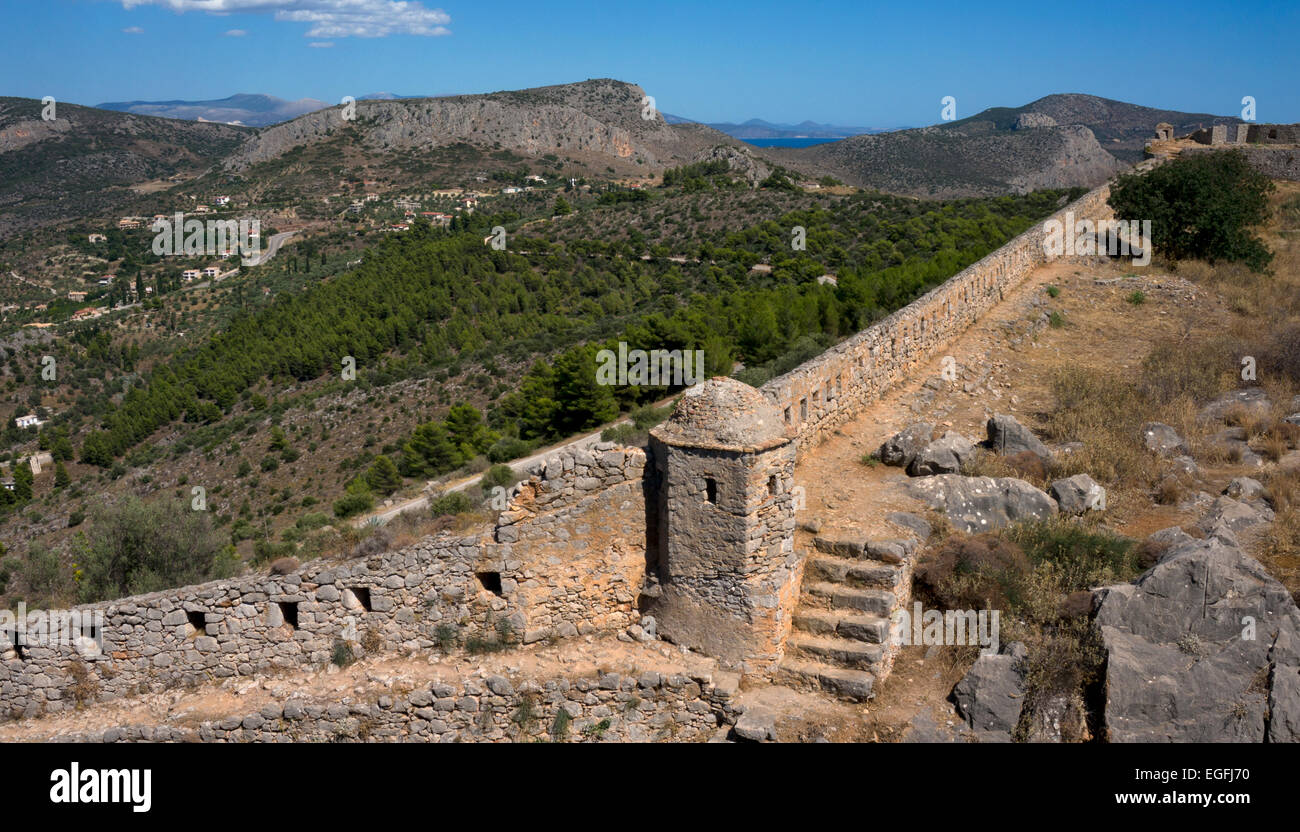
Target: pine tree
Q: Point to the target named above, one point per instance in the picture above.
(383, 476)
(61, 478)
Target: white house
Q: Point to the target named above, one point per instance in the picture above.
(29, 421)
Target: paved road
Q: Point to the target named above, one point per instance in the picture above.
(272, 246)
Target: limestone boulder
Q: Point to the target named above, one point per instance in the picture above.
(1078, 494)
(942, 456)
(1008, 437)
(980, 504)
(1203, 647)
(992, 693)
(901, 448)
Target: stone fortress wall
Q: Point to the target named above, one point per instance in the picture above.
(567, 557)
(829, 390)
(1272, 149)
(576, 551)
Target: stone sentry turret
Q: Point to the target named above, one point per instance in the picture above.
(727, 570)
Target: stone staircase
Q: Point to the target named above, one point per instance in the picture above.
(840, 641)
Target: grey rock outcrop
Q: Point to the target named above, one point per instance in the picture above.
(1007, 436)
(992, 693)
(1028, 121)
(980, 504)
(1235, 516)
(1250, 400)
(1244, 488)
(1203, 647)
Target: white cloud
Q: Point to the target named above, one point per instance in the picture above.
(133, 30)
(327, 18)
(236, 33)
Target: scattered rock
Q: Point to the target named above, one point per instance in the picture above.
(1078, 494)
(1007, 436)
(1163, 440)
(1184, 466)
(903, 446)
(1251, 400)
(980, 504)
(908, 520)
(756, 724)
(942, 456)
(990, 696)
(1244, 488)
(1234, 516)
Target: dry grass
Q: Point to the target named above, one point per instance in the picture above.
(1280, 543)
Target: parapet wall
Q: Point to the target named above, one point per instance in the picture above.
(830, 389)
(1273, 162)
(566, 557)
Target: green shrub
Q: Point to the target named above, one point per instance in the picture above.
(353, 504)
(1200, 206)
(342, 655)
(135, 547)
(509, 448)
(453, 502)
(497, 476)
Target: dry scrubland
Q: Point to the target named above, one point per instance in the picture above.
(1120, 355)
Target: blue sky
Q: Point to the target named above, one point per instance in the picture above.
(859, 63)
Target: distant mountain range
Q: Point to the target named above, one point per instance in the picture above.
(757, 128)
(258, 110)
(93, 160)
(248, 109)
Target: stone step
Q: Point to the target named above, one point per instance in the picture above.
(847, 624)
(855, 685)
(851, 653)
(857, 547)
(857, 574)
(826, 595)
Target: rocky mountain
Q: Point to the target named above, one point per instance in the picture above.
(1054, 142)
(253, 110)
(1121, 128)
(85, 161)
(949, 162)
(597, 122)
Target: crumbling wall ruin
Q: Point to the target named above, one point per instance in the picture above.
(566, 557)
